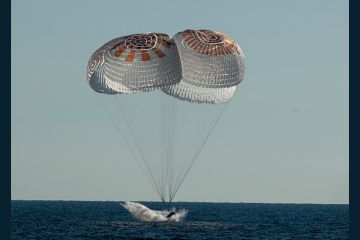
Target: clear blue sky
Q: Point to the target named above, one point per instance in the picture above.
(283, 138)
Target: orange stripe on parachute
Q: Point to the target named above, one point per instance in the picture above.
(130, 57)
(119, 52)
(145, 56)
(158, 52)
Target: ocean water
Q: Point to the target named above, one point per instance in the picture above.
(109, 220)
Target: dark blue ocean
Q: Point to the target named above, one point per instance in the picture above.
(109, 220)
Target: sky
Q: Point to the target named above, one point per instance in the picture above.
(282, 139)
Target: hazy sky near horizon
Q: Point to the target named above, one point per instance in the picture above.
(283, 137)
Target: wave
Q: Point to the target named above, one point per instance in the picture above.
(145, 214)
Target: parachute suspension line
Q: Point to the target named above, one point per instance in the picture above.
(169, 160)
(163, 155)
(164, 127)
(199, 150)
(153, 180)
(167, 129)
(125, 141)
(168, 113)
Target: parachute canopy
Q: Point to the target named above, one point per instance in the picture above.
(212, 67)
(202, 68)
(135, 63)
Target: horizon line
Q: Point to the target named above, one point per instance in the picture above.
(73, 200)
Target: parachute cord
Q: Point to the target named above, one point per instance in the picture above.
(124, 140)
(162, 160)
(159, 191)
(170, 148)
(168, 121)
(163, 126)
(199, 151)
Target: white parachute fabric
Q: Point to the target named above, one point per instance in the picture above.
(145, 214)
(212, 67)
(95, 68)
(134, 63)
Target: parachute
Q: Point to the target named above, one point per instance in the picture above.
(134, 63)
(212, 67)
(165, 96)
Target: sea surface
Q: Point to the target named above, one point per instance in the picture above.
(109, 220)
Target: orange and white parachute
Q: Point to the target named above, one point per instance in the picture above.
(134, 63)
(212, 67)
(202, 68)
